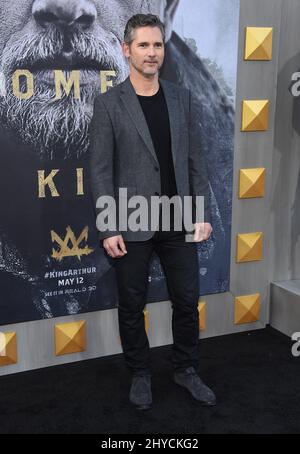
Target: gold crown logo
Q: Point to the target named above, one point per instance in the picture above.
(75, 250)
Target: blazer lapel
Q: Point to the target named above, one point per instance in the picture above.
(135, 111)
(173, 109)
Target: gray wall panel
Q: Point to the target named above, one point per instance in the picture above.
(256, 80)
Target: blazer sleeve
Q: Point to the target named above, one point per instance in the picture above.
(101, 166)
(199, 185)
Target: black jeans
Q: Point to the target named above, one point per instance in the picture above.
(180, 264)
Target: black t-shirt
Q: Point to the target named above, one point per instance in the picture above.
(156, 113)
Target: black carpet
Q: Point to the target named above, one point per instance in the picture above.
(254, 375)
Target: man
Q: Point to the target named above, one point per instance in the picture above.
(144, 137)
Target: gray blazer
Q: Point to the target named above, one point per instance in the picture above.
(122, 152)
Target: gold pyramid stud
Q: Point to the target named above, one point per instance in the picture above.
(202, 315)
(249, 247)
(70, 337)
(258, 43)
(255, 115)
(247, 309)
(146, 319)
(8, 348)
(252, 183)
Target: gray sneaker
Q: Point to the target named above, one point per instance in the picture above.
(140, 392)
(190, 380)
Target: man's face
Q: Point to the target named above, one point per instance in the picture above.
(44, 35)
(146, 51)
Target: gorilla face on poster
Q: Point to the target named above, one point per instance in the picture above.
(41, 132)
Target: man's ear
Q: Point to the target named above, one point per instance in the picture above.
(170, 8)
(125, 49)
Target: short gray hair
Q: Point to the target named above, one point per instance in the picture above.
(142, 20)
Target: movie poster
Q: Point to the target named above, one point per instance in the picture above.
(55, 57)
